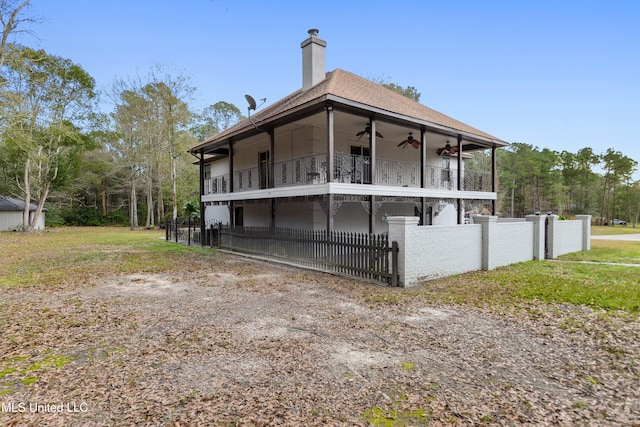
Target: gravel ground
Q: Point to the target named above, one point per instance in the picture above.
(247, 343)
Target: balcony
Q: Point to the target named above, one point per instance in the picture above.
(347, 169)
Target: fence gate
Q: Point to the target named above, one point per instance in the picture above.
(185, 231)
(359, 255)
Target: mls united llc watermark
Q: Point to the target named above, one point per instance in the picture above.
(45, 408)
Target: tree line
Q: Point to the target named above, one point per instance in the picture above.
(534, 180)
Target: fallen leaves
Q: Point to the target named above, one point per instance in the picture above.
(237, 342)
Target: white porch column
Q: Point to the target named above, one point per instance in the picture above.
(459, 180)
(494, 178)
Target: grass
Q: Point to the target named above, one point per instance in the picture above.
(76, 255)
(608, 287)
(600, 286)
(620, 251)
(600, 230)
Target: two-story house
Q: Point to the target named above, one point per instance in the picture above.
(342, 153)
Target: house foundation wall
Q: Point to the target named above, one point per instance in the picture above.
(429, 252)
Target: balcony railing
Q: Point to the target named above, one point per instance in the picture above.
(301, 171)
(348, 168)
(217, 184)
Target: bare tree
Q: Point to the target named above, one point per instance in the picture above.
(9, 16)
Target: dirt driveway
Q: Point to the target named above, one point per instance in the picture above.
(247, 343)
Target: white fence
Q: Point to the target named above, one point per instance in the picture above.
(429, 252)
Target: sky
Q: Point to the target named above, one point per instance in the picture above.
(562, 75)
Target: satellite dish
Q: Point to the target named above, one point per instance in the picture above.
(251, 101)
(253, 106)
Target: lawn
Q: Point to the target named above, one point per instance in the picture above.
(599, 230)
(79, 255)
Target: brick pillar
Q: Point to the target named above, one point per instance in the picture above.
(539, 235)
(488, 224)
(552, 245)
(586, 231)
(400, 231)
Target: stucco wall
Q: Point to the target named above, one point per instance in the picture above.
(563, 236)
(429, 252)
(507, 243)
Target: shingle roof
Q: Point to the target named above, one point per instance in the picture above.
(12, 205)
(352, 88)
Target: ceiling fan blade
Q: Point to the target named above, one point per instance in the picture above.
(403, 142)
(379, 135)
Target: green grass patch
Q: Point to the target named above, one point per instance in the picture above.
(599, 230)
(77, 255)
(620, 251)
(22, 369)
(393, 417)
(407, 366)
(599, 286)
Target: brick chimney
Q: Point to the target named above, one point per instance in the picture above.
(313, 66)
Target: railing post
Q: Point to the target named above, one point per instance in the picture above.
(175, 224)
(394, 263)
(166, 229)
(189, 231)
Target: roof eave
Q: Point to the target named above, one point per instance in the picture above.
(247, 131)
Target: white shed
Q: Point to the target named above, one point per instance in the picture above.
(11, 214)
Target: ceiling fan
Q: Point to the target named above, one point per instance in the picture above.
(410, 141)
(448, 150)
(367, 130)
